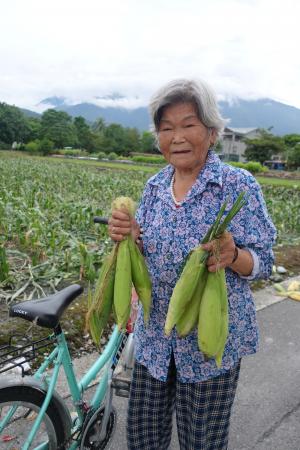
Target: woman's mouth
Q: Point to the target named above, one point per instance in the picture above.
(180, 152)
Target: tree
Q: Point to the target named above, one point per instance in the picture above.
(57, 126)
(218, 147)
(99, 125)
(264, 147)
(148, 143)
(132, 141)
(13, 125)
(114, 138)
(293, 157)
(291, 140)
(84, 134)
(34, 125)
(46, 146)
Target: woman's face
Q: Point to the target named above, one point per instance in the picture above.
(184, 140)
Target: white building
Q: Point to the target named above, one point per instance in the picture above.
(232, 143)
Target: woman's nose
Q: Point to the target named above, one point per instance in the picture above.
(178, 135)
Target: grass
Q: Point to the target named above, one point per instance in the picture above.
(111, 165)
(85, 162)
(279, 182)
(144, 168)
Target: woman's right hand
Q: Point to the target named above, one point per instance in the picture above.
(121, 225)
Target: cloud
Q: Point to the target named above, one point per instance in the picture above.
(243, 48)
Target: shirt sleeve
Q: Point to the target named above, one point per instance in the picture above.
(255, 270)
(142, 208)
(259, 232)
(254, 230)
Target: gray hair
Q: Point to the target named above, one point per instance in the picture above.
(188, 91)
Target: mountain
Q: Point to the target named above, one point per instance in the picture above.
(30, 113)
(138, 117)
(262, 113)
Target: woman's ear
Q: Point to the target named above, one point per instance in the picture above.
(213, 137)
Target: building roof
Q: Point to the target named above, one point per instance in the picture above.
(240, 130)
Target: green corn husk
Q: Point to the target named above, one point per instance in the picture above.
(209, 298)
(100, 304)
(210, 316)
(114, 286)
(224, 323)
(185, 288)
(189, 319)
(122, 285)
(140, 278)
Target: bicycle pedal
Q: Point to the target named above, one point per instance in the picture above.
(121, 386)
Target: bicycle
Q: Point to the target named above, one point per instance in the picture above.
(27, 398)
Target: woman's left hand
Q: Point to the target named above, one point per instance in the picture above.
(222, 252)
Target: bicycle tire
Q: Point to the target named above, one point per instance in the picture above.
(29, 402)
(95, 424)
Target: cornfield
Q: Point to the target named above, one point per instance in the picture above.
(47, 234)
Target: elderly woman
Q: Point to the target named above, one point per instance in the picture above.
(177, 207)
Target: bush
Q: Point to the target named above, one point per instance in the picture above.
(149, 159)
(112, 156)
(101, 155)
(46, 146)
(255, 167)
(4, 146)
(251, 166)
(33, 146)
(72, 152)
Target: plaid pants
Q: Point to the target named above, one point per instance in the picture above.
(202, 410)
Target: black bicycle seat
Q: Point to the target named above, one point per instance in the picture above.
(48, 310)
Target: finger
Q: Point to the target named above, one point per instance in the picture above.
(119, 214)
(120, 230)
(208, 246)
(119, 221)
(117, 237)
(211, 261)
(216, 267)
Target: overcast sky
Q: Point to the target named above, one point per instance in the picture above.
(87, 49)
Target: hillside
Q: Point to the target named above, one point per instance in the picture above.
(262, 113)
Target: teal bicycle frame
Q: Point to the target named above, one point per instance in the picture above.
(60, 356)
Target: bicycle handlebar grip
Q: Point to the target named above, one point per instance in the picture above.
(103, 220)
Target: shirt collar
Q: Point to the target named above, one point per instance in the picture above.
(210, 173)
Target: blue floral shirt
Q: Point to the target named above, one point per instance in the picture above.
(169, 234)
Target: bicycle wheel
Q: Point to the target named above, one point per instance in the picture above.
(92, 431)
(28, 401)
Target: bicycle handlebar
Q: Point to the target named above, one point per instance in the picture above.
(102, 220)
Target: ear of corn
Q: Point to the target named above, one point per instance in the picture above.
(124, 203)
(292, 291)
(279, 288)
(203, 301)
(294, 286)
(210, 317)
(140, 278)
(91, 320)
(224, 322)
(294, 295)
(99, 305)
(189, 319)
(123, 284)
(185, 287)
(113, 289)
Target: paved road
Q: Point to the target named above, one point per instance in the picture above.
(266, 413)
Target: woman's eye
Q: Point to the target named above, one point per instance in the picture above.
(189, 125)
(166, 129)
